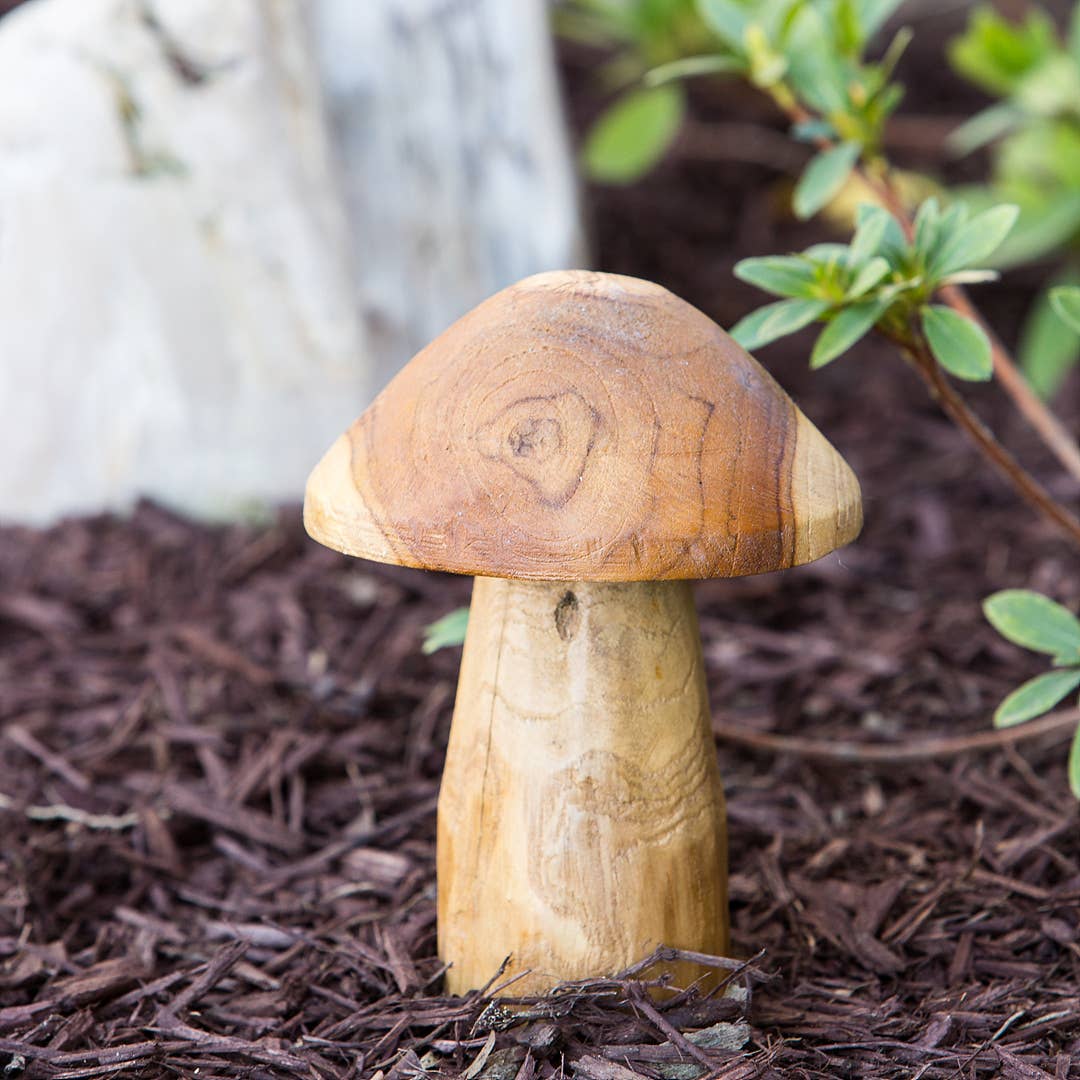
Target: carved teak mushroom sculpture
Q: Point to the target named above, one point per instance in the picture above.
(583, 444)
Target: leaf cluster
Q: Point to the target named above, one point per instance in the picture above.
(886, 280)
(1032, 620)
(1034, 72)
(806, 51)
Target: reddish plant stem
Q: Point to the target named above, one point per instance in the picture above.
(1049, 427)
(1006, 465)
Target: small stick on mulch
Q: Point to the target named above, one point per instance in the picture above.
(1057, 726)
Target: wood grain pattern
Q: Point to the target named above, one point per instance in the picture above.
(582, 426)
(581, 817)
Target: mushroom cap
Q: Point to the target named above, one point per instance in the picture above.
(581, 426)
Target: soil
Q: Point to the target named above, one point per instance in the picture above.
(221, 748)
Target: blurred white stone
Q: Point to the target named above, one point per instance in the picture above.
(198, 289)
(177, 306)
(458, 179)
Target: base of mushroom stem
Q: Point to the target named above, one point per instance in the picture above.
(581, 815)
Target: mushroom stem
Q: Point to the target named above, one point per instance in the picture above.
(581, 817)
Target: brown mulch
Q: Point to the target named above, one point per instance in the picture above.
(219, 761)
(220, 750)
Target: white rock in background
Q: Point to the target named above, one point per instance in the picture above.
(182, 303)
(177, 305)
(457, 176)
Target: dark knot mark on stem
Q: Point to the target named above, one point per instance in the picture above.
(567, 616)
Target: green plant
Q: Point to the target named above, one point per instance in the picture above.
(797, 51)
(1035, 131)
(1065, 300)
(809, 57)
(634, 133)
(1029, 619)
(446, 631)
(887, 279)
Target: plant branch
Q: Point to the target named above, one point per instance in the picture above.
(1046, 425)
(957, 409)
(1050, 429)
(1058, 725)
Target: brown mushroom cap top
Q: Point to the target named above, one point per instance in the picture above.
(584, 427)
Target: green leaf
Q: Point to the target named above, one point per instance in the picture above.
(784, 275)
(953, 218)
(984, 127)
(445, 632)
(1049, 347)
(971, 244)
(847, 27)
(690, 66)
(1051, 89)
(887, 65)
(632, 136)
(1074, 764)
(824, 177)
(959, 346)
(970, 277)
(848, 327)
(873, 14)
(725, 18)
(927, 227)
(868, 276)
(817, 73)
(776, 321)
(892, 245)
(1036, 696)
(1040, 230)
(828, 254)
(996, 54)
(1030, 619)
(1066, 302)
(869, 234)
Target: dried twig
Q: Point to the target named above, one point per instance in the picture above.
(1058, 725)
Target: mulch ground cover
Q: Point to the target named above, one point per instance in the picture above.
(220, 751)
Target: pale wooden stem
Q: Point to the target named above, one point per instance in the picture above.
(581, 818)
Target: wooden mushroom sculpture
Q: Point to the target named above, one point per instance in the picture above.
(584, 444)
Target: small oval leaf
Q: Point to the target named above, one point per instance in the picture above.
(725, 18)
(1035, 621)
(1065, 300)
(691, 66)
(784, 275)
(847, 328)
(869, 234)
(824, 177)
(974, 242)
(1036, 696)
(776, 321)
(1049, 346)
(446, 632)
(870, 275)
(632, 136)
(959, 346)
